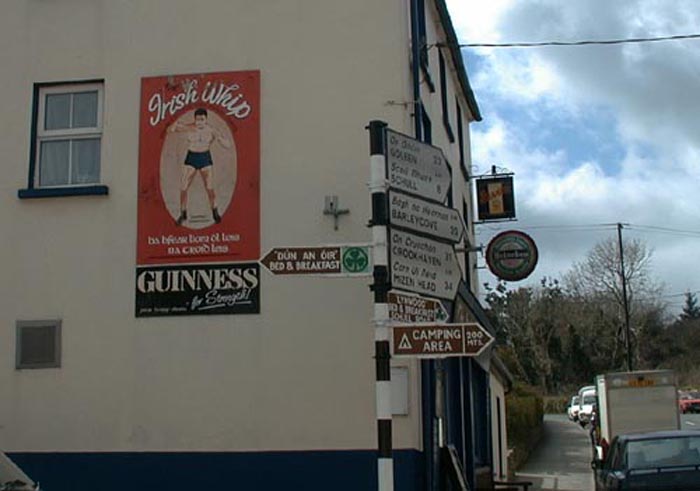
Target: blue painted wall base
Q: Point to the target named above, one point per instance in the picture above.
(180, 471)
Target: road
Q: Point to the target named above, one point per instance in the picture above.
(562, 461)
(690, 421)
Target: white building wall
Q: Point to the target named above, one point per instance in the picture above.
(300, 375)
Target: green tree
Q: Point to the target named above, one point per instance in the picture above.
(691, 310)
(559, 334)
(597, 280)
(531, 323)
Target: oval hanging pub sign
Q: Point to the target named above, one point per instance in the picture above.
(511, 255)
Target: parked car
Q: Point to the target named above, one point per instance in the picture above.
(657, 461)
(572, 409)
(587, 406)
(689, 402)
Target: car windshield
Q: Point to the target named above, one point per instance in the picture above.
(574, 401)
(663, 452)
(590, 399)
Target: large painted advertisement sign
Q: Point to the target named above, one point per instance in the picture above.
(198, 187)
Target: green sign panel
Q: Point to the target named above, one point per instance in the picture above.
(355, 259)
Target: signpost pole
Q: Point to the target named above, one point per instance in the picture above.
(380, 288)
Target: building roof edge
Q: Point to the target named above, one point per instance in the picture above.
(453, 45)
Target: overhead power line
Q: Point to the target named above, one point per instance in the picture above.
(586, 42)
(595, 227)
(592, 227)
(677, 231)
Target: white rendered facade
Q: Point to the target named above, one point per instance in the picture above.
(298, 376)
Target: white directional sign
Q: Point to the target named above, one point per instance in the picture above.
(423, 266)
(417, 167)
(424, 216)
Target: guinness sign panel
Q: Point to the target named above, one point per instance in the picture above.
(198, 290)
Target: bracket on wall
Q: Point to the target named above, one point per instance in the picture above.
(332, 207)
(401, 103)
(479, 248)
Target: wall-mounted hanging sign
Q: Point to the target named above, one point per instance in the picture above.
(511, 255)
(495, 198)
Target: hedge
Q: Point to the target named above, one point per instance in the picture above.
(524, 415)
(555, 404)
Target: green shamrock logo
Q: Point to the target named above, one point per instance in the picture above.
(355, 259)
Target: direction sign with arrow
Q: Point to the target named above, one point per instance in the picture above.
(416, 167)
(440, 340)
(411, 309)
(425, 217)
(423, 266)
(326, 260)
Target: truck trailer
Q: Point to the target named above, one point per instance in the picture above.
(635, 402)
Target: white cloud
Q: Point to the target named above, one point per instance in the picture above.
(648, 91)
(478, 20)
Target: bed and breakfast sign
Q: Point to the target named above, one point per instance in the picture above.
(198, 232)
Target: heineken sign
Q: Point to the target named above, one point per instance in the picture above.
(511, 255)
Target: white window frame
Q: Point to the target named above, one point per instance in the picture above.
(43, 135)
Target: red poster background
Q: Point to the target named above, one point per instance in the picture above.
(232, 100)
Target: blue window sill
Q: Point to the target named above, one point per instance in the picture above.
(30, 193)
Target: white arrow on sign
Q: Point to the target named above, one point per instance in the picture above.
(423, 266)
(417, 167)
(426, 217)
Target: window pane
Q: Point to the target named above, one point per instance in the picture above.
(85, 109)
(53, 163)
(57, 112)
(86, 161)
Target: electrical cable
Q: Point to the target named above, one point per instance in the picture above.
(587, 42)
(595, 227)
(652, 228)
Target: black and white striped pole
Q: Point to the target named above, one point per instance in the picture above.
(380, 287)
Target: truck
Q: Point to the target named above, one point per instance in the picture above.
(636, 402)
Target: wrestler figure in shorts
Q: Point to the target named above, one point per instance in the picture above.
(200, 137)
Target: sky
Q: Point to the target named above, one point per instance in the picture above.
(596, 134)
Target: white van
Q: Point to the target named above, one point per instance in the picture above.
(587, 405)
